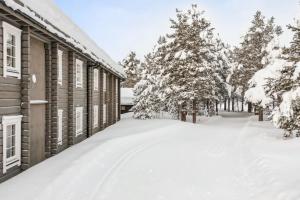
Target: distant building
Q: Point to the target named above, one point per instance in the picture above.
(57, 87)
(127, 99)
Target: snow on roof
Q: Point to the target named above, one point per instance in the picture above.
(127, 96)
(49, 15)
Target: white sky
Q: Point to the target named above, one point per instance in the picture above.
(122, 26)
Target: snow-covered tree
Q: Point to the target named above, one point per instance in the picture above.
(187, 67)
(146, 103)
(259, 91)
(190, 74)
(131, 67)
(286, 88)
(147, 90)
(253, 54)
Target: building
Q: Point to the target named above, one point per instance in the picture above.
(57, 87)
(127, 99)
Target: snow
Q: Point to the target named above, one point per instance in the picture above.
(286, 106)
(297, 71)
(49, 15)
(230, 157)
(127, 96)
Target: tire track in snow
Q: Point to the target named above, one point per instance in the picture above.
(117, 166)
(125, 158)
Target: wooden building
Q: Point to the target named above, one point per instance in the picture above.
(57, 87)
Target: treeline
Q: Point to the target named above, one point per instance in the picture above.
(190, 67)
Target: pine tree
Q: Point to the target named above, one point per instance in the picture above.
(190, 74)
(252, 55)
(146, 103)
(131, 67)
(286, 89)
(147, 91)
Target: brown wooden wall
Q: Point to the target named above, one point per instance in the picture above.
(15, 98)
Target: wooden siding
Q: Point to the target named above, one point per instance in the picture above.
(79, 99)
(60, 98)
(96, 100)
(15, 96)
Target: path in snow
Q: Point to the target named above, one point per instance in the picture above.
(228, 158)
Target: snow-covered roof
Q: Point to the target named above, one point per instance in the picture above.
(127, 96)
(47, 13)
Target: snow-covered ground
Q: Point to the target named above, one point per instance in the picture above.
(230, 157)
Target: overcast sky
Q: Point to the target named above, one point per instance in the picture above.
(121, 26)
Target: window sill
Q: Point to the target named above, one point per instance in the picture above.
(38, 102)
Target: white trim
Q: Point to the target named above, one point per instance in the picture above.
(104, 113)
(60, 67)
(79, 73)
(96, 116)
(104, 82)
(60, 127)
(8, 71)
(15, 160)
(117, 99)
(36, 102)
(79, 123)
(96, 79)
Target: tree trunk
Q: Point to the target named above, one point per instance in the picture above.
(194, 112)
(232, 105)
(260, 114)
(225, 104)
(183, 116)
(243, 101)
(217, 108)
(249, 107)
(183, 112)
(179, 112)
(228, 104)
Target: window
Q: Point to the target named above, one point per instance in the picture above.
(59, 67)
(104, 99)
(11, 51)
(123, 108)
(117, 99)
(11, 141)
(96, 114)
(96, 79)
(60, 127)
(104, 81)
(104, 113)
(79, 120)
(79, 73)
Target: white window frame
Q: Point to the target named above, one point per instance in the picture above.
(104, 98)
(79, 73)
(96, 79)
(104, 113)
(104, 81)
(117, 99)
(60, 127)
(15, 160)
(96, 116)
(9, 71)
(79, 121)
(60, 67)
